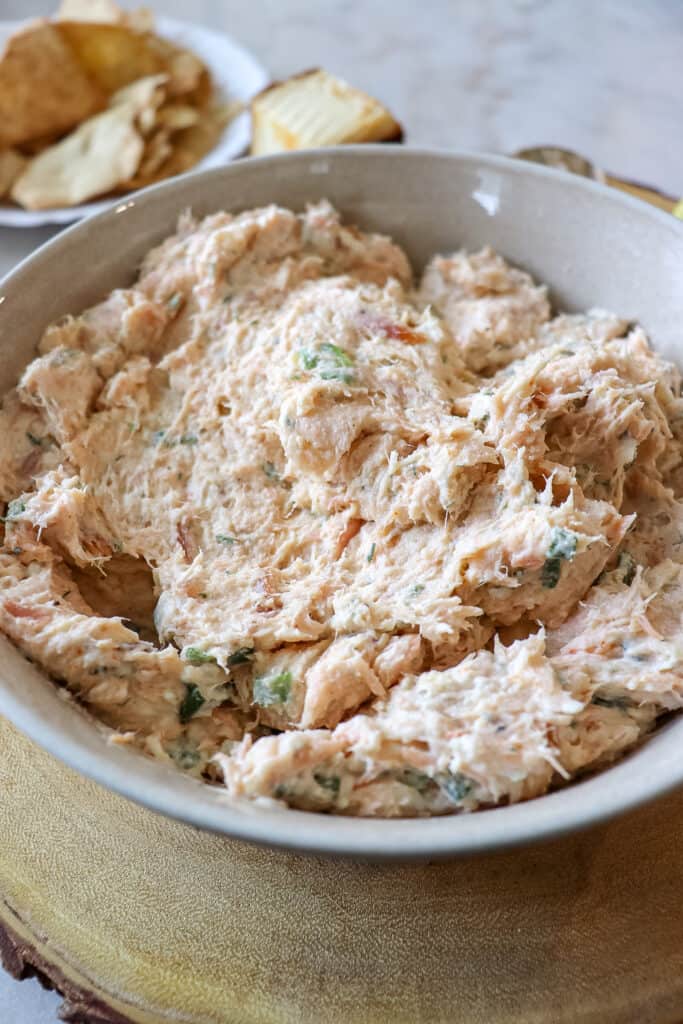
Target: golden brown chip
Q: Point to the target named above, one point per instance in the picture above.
(187, 147)
(158, 149)
(316, 109)
(112, 55)
(106, 11)
(146, 96)
(104, 151)
(176, 116)
(190, 145)
(185, 71)
(116, 55)
(44, 91)
(11, 166)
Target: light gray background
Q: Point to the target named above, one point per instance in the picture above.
(604, 79)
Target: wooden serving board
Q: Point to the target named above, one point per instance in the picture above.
(135, 918)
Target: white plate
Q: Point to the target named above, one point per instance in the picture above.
(237, 75)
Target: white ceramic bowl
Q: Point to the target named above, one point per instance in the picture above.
(594, 246)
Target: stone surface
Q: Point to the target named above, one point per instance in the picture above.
(603, 79)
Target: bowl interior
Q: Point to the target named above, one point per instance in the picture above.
(593, 246)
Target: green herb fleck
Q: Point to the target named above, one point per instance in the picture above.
(457, 787)
(223, 538)
(415, 779)
(331, 362)
(562, 548)
(271, 472)
(188, 439)
(627, 567)
(185, 757)
(37, 441)
(191, 703)
(611, 702)
(241, 656)
(196, 656)
(329, 782)
(157, 437)
(416, 589)
(14, 509)
(308, 359)
(272, 689)
(341, 357)
(175, 302)
(345, 376)
(371, 555)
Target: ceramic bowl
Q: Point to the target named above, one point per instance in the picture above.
(595, 247)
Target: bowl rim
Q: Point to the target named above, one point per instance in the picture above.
(165, 791)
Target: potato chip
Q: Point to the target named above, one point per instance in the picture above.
(146, 96)
(106, 11)
(112, 55)
(11, 166)
(185, 72)
(316, 109)
(191, 144)
(176, 116)
(158, 149)
(116, 55)
(104, 151)
(44, 91)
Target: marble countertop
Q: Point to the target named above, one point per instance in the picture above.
(604, 79)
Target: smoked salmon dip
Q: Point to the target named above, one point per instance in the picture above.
(310, 527)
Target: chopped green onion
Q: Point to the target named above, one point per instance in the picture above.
(611, 702)
(345, 376)
(332, 362)
(272, 689)
(457, 787)
(174, 303)
(341, 357)
(14, 509)
(241, 656)
(328, 782)
(562, 548)
(627, 567)
(415, 779)
(191, 703)
(308, 359)
(371, 555)
(196, 656)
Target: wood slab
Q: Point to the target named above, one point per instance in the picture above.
(140, 920)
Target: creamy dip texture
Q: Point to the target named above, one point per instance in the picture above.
(284, 516)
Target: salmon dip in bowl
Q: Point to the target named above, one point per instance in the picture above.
(307, 524)
(340, 501)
